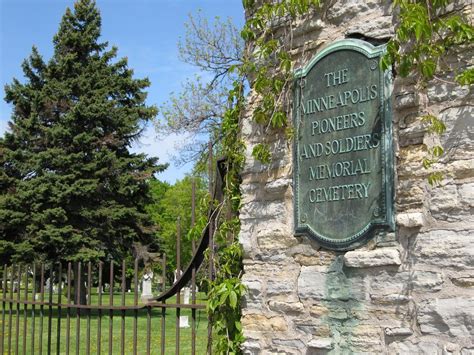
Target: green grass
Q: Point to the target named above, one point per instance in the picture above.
(94, 319)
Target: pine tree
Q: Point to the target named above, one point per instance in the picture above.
(70, 187)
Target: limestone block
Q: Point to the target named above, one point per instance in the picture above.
(463, 281)
(345, 10)
(282, 288)
(458, 140)
(245, 240)
(275, 237)
(254, 287)
(378, 27)
(409, 165)
(461, 169)
(249, 191)
(263, 210)
(394, 288)
(371, 258)
(278, 186)
(445, 202)
(466, 194)
(306, 254)
(392, 298)
(253, 295)
(398, 331)
(251, 347)
(427, 281)
(413, 135)
(453, 316)
(318, 310)
(407, 347)
(366, 337)
(313, 326)
(410, 193)
(286, 307)
(262, 323)
(320, 343)
(446, 91)
(411, 219)
(311, 283)
(307, 26)
(449, 348)
(281, 282)
(445, 249)
(289, 343)
(406, 100)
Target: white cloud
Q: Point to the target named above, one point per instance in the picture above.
(164, 149)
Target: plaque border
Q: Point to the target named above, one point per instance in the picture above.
(386, 222)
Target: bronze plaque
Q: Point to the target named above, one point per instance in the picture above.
(343, 176)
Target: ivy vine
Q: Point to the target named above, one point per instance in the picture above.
(429, 32)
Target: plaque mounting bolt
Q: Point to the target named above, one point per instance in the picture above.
(304, 218)
(373, 64)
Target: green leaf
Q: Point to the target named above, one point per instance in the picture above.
(261, 152)
(435, 178)
(427, 163)
(279, 119)
(438, 151)
(466, 77)
(233, 299)
(428, 68)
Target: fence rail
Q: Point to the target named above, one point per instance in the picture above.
(70, 317)
(70, 309)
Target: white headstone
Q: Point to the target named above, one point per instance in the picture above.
(184, 320)
(186, 293)
(146, 286)
(47, 284)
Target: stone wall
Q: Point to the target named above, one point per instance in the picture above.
(407, 292)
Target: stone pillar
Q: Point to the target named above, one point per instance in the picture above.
(407, 292)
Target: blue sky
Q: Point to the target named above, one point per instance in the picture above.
(145, 31)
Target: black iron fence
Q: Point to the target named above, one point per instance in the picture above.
(91, 308)
(85, 308)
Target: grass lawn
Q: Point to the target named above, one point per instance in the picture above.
(94, 320)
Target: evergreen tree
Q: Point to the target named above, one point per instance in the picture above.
(70, 187)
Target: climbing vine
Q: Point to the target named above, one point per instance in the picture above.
(427, 32)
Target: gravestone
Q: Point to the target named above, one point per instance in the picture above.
(147, 292)
(184, 320)
(47, 285)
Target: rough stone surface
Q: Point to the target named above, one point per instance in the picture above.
(411, 219)
(371, 258)
(323, 343)
(453, 316)
(408, 291)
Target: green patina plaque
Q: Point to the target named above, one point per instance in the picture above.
(343, 176)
